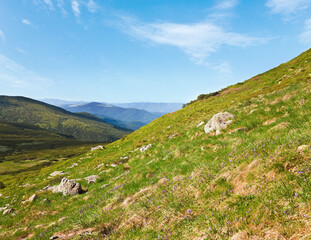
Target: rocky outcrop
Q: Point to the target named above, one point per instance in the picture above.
(91, 179)
(218, 121)
(67, 187)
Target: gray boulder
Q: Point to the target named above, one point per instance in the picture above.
(57, 173)
(67, 186)
(218, 121)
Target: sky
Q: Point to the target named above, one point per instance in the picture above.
(144, 50)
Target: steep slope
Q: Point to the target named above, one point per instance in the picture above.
(32, 112)
(102, 110)
(252, 181)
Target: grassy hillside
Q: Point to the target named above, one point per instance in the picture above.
(27, 111)
(250, 182)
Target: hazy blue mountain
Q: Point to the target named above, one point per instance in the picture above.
(152, 107)
(106, 111)
(59, 102)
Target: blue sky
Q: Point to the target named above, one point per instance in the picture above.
(144, 50)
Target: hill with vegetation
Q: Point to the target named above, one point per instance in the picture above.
(35, 113)
(171, 180)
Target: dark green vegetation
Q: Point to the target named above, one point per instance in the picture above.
(27, 111)
(25, 148)
(251, 181)
(123, 117)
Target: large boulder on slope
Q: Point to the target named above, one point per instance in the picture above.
(67, 186)
(218, 121)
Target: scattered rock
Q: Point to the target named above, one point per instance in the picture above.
(217, 122)
(123, 174)
(202, 148)
(57, 173)
(31, 199)
(91, 179)
(87, 197)
(105, 185)
(67, 186)
(126, 166)
(273, 120)
(7, 211)
(254, 110)
(73, 165)
(200, 124)
(97, 147)
(100, 165)
(145, 147)
(113, 165)
(302, 148)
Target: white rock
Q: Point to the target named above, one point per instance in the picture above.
(218, 121)
(302, 148)
(97, 147)
(145, 147)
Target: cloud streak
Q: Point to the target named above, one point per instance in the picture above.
(15, 75)
(75, 7)
(287, 6)
(197, 40)
(226, 4)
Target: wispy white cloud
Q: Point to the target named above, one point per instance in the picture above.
(197, 40)
(92, 6)
(61, 6)
(26, 21)
(287, 6)
(2, 36)
(226, 4)
(15, 75)
(75, 7)
(305, 37)
(49, 4)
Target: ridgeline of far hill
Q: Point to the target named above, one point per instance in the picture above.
(22, 110)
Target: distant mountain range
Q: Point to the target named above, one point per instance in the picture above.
(125, 115)
(21, 110)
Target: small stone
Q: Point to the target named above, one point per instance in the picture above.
(73, 165)
(7, 211)
(105, 185)
(97, 147)
(145, 147)
(57, 173)
(100, 165)
(91, 179)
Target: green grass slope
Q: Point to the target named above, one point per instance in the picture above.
(249, 182)
(28, 111)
